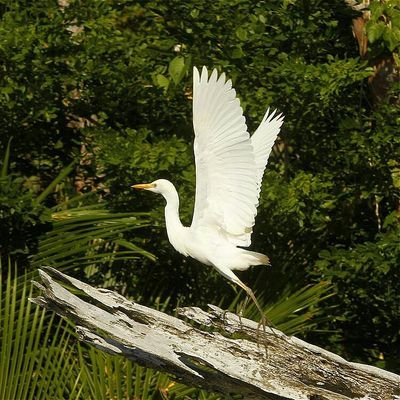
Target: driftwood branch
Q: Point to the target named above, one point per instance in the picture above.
(216, 351)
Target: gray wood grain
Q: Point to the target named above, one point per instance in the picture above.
(215, 350)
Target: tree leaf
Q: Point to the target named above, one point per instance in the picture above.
(375, 31)
(177, 69)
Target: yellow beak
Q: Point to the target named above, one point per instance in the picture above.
(144, 186)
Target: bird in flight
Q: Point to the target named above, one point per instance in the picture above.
(229, 169)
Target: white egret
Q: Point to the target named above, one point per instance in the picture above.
(229, 169)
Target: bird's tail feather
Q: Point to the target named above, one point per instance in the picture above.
(259, 258)
(250, 258)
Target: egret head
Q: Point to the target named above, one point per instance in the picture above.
(161, 186)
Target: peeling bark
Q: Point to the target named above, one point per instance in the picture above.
(215, 350)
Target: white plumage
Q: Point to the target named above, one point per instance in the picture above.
(229, 170)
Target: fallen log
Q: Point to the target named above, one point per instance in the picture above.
(216, 350)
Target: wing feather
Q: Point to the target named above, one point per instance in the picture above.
(228, 162)
(262, 141)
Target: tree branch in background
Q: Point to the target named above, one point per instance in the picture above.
(378, 22)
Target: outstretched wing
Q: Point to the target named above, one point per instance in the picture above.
(262, 140)
(226, 169)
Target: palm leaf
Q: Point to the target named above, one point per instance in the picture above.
(60, 177)
(89, 235)
(301, 311)
(292, 313)
(34, 343)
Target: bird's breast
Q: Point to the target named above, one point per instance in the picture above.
(202, 245)
(179, 239)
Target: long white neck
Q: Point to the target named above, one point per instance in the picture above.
(175, 230)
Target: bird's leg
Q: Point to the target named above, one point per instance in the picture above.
(243, 308)
(227, 273)
(250, 294)
(224, 319)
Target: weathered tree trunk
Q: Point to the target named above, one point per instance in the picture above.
(217, 351)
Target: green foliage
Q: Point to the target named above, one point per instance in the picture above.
(22, 218)
(383, 27)
(22, 215)
(293, 313)
(109, 84)
(92, 241)
(133, 156)
(367, 278)
(35, 360)
(88, 235)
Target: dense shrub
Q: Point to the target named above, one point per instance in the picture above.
(22, 219)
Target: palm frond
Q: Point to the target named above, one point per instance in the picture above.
(60, 177)
(301, 311)
(88, 235)
(33, 343)
(296, 312)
